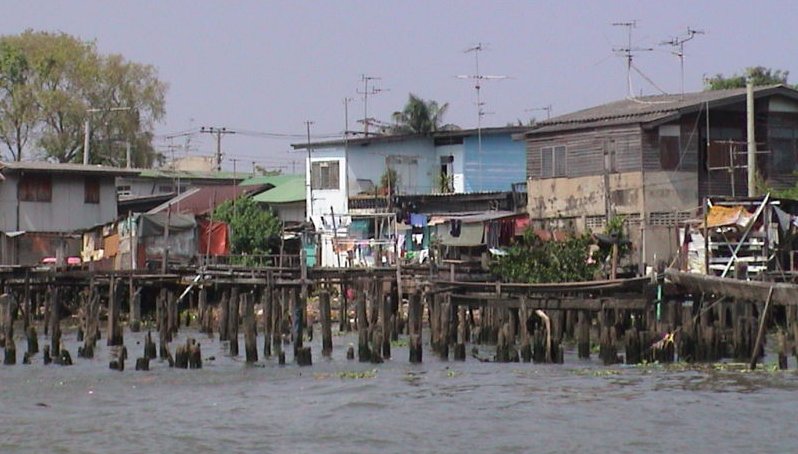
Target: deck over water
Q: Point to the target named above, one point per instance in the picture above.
(436, 406)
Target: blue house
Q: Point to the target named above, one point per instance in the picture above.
(461, 161)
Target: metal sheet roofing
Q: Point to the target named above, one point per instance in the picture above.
(648, 109)
(272, 180)
(57, 167)
(292, 190)
(202, 200)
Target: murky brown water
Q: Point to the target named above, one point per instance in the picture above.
(395, 407)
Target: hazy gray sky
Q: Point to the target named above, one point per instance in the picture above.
(268, 66)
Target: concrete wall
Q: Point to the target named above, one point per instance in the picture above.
(319, 201)
(67, 210)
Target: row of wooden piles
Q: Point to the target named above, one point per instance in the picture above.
(699, 330)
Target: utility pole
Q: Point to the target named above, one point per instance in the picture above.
(679, 42)
(749, 103)
(374, 91)
(309, 175)
(477, 77)
(219, 132)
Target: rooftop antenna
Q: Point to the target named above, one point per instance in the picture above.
(478, 77)
(629, 51)
(374, 91)
(547, 108)
(678, 42)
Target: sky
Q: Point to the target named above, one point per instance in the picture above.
(264, 68)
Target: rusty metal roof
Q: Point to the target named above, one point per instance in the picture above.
(204, 199)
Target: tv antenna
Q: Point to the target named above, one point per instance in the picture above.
(478, 77)
(629, 52)
(547, 108)
(366, 92)
(678, 45)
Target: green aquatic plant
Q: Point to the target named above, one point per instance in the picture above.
(355, 375)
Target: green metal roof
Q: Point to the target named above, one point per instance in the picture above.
(292, 190)
(273, 180)
(162, 173)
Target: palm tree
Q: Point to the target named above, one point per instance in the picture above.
(419, 116)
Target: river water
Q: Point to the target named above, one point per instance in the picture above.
(343, 406)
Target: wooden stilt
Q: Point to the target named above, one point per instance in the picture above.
(250, 335)
(326, 322)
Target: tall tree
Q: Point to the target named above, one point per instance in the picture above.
(66, 82)
(251, 226)
(758, 74)
(419, 116)
(18, 112)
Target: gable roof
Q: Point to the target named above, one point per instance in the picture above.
(292, 190)
(649, 109)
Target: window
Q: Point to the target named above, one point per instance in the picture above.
(91, 191)
(552, 161)
(35, 188)
(324, 175)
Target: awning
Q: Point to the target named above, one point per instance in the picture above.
(469, 234)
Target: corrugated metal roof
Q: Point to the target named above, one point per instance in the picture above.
(204, 199)
(403, 137)
(188, 175)
(293, 190)
(56, 167)
(648, 109)
(272, 180)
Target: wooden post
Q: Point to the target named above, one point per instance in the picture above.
(460, 346)
(363, 350)
(163, 326)
(386, 326)
(224, 313)
(297, 319)
(134, 304)
(250, 335)
(202, 308)
(7, 304)
(583, 334)
(277, 330)
(443, 340)
(172, 321)
(526, 347)
(343, 310)
(761, 332)
(114, 336)
(414, 313)
(232, 320)
(55, 322)
(266, 301)
(326, 322)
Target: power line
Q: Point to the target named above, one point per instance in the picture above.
(219, 132)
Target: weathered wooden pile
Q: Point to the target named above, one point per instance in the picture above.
(632, 321)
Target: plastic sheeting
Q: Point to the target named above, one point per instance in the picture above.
(153, 224)
(466, 235)
(214, 238)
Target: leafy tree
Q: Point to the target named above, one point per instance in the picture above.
(389, 181)
(250, 225)
(419, 116)
(759, 75)
(50, 81)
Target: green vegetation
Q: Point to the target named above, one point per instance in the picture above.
(535, 261)
(419, 116)
(251, 227)
(354, 375)
(50, 81)
(759, 74)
